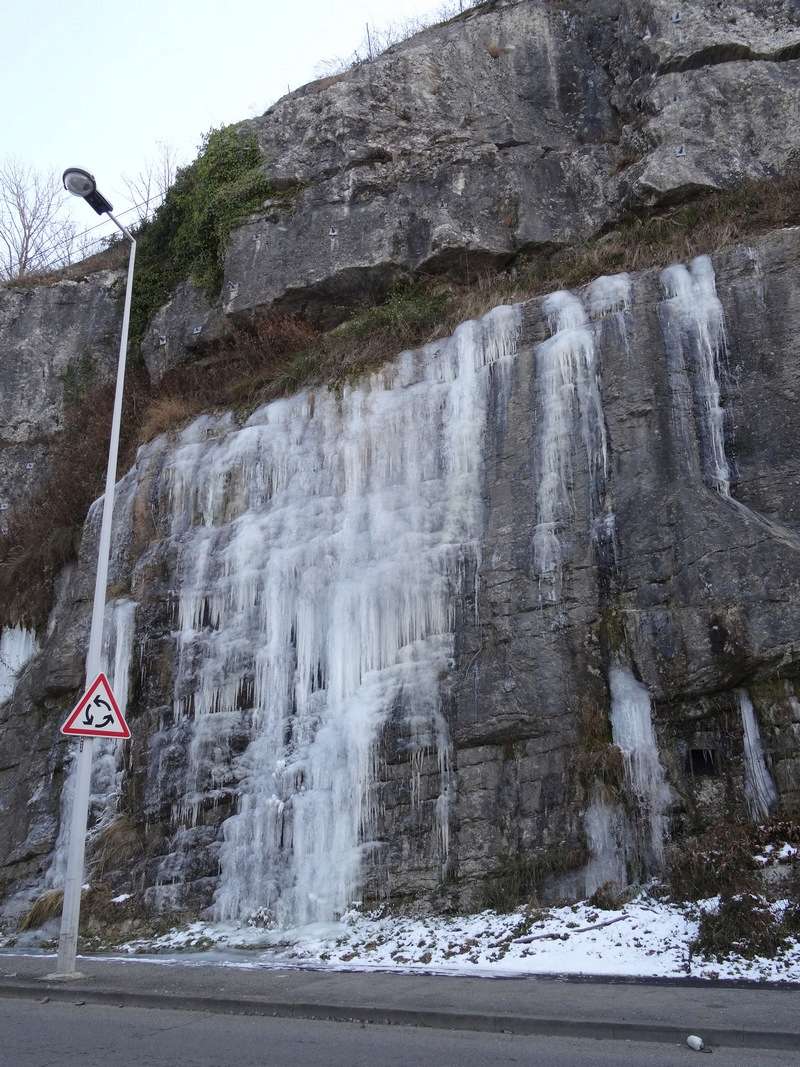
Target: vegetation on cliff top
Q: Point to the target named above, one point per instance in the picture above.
(187, 235)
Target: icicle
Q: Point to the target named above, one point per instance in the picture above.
(695, 310)
(632, 731)
(17, 646)
(760, 791)
(567, 376)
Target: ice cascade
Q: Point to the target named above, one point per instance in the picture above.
(632, 731)
(321, 549)
(17, 646)
(695, 317)
(759, 787)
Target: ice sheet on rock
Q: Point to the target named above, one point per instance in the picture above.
(609, 294)
(320, 549)
(759, 788)
(696, 319)
(632, 731)
(18, 645)
(568, 384)
(607, 837)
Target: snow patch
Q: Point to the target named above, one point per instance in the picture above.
(646, 937)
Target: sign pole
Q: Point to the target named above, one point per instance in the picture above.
(70, 914)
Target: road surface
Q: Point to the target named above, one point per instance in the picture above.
(56, 1034)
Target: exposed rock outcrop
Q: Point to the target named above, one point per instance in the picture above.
(56, 341)
(526, 124)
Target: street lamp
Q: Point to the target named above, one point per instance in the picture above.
(81, 183)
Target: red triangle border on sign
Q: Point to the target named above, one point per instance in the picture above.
(101, 681)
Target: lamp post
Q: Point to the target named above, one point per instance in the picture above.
(81, 183)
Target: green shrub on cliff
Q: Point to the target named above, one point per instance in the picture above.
(187, 235)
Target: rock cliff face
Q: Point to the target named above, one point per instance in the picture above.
(335, 642)
(521, 607)
(526, 125)
(54, 340)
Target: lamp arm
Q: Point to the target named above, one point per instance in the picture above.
(121, 228)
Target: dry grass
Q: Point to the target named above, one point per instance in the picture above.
(519, 876)
(167, 411)
(117, 847)
(721, 860)
(43, 909)
(598, 761)
(742, 926)
(113, 258)
(45, 534)
(256, 361)
(609, 897)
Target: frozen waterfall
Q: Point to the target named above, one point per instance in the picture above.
(696, 319)
(320, 551)
(632, 731)
(17, 646)
(759, 787)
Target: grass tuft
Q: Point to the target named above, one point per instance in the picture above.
(43, 909)
(518, 877)
(115, 848)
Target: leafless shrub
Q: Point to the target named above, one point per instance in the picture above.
(379, 39)
(148, 187)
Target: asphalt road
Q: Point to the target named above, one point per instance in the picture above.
(53, 1034)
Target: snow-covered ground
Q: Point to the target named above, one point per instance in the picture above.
(646, 937)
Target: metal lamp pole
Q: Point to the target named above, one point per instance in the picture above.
(81, 183)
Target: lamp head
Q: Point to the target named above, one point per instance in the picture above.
(81, 183)
(78, 182)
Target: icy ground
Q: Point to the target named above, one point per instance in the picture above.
(646, 937)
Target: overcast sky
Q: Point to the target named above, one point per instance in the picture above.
(98, 83)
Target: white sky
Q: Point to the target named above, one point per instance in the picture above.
(97, 83)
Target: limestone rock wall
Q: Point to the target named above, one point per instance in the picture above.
(55, 341)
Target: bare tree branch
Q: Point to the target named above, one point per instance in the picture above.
(148, 188)
(34, 232)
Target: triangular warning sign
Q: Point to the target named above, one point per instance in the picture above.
(97, 713)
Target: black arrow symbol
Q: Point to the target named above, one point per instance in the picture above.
(98, 700)
(106, 722)
(88, 718)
